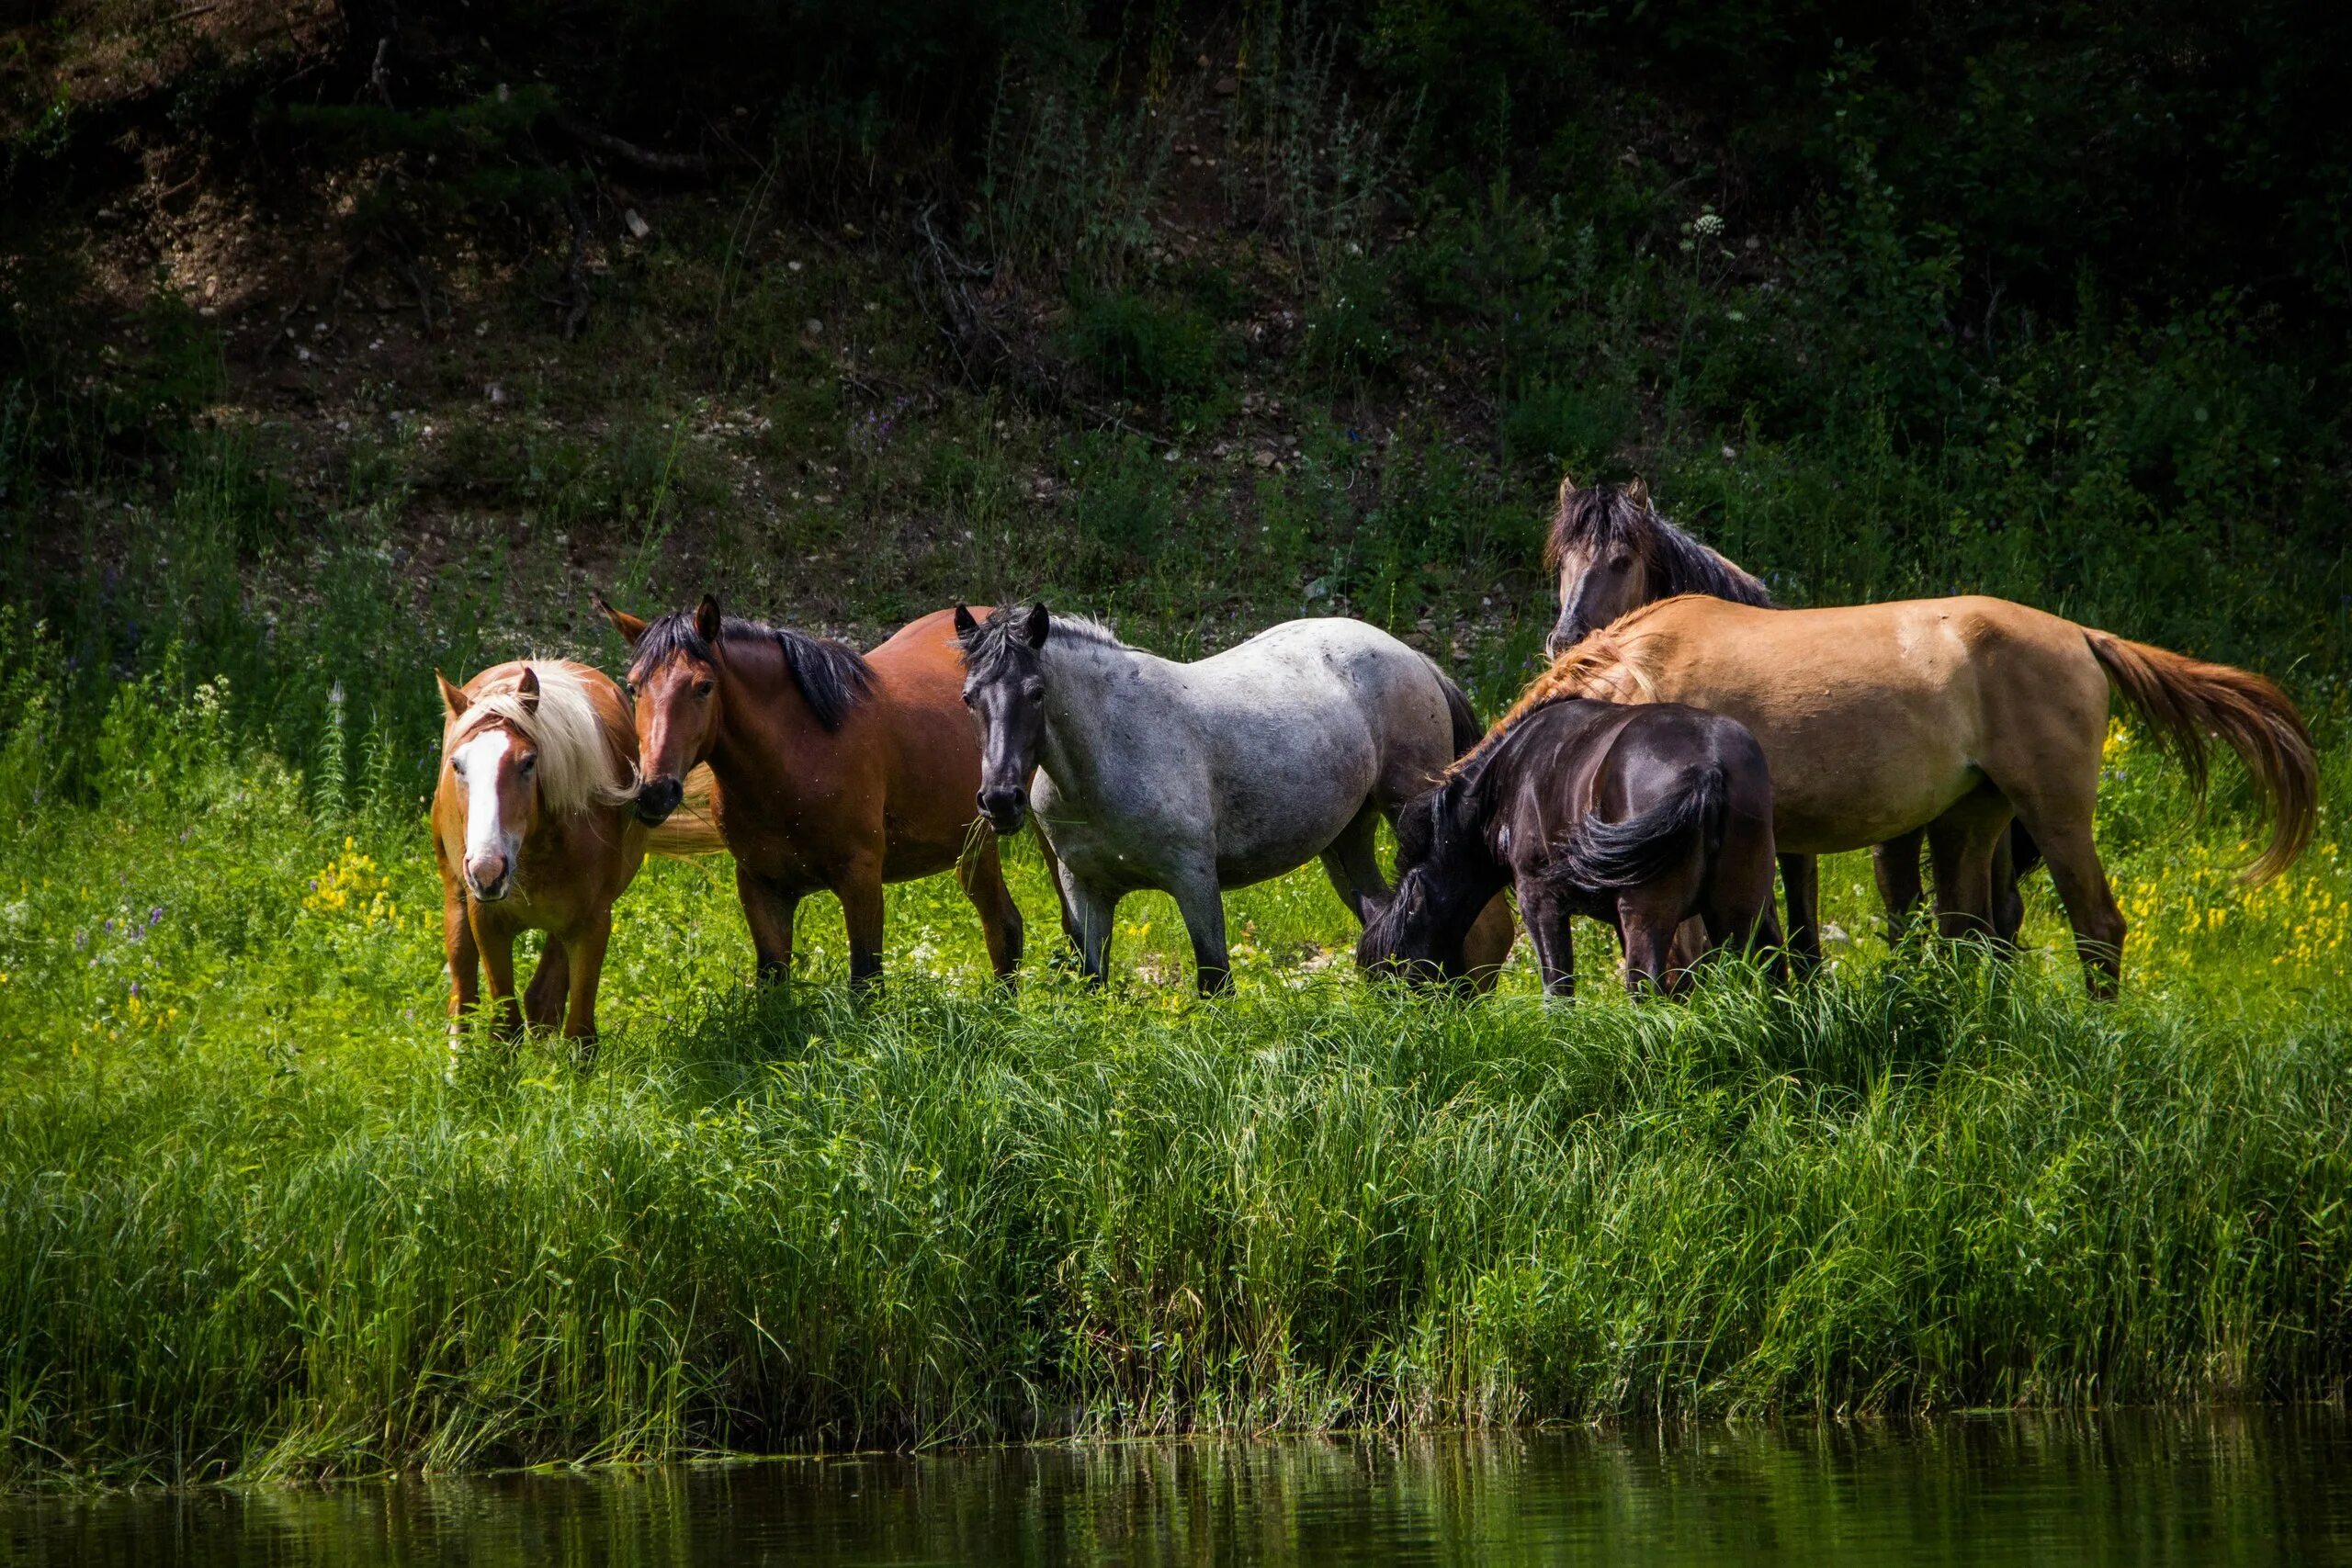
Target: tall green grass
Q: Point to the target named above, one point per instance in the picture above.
(258, 1217)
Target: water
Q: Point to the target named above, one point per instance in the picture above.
(2269, 1487)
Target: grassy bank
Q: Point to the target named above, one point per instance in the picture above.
(258, 1218)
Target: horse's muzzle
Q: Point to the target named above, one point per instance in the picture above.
(490, 879)
(1564, 638)
(1006, 810)
(656, 799)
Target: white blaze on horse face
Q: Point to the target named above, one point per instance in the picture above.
(479, 761)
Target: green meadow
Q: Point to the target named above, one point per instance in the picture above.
(263, 1215)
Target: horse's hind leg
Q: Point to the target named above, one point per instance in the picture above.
(1352, 862)
(1648, 935)
(980, 874)
(2061, 827)
(1961, 842)
(550, 983)
(1551, 930)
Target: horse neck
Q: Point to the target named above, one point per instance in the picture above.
(755, 685)
(1083, 687)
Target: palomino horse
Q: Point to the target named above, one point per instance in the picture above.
(1951, 714)
(833, 770)
(1614, 553)
(533, 831)
(1643, 815)
(1193, 778)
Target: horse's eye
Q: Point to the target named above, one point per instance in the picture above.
(1034, 691)
(1621, 560)
(968, 699)
(704, 688)
(527, 765)
(457, 766)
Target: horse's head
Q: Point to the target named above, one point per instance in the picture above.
(1004, 686)
(1599, 544)
(675, 680)
(1416, 932)
(496, 762)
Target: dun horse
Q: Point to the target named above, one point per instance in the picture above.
(1948, 714)
(1613, 553)
(533, 831)
(1193, 778)
(833, 770)
(1643, 816)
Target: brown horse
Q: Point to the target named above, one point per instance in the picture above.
(1951, 714)
(833, 770)
(1613, 553)
(533, 831)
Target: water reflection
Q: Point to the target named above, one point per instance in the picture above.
(2266, 1487)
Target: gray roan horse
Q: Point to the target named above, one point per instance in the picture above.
(1193, 778)
(1613, 554)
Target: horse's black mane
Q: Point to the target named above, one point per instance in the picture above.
(832, 677)
(1602, 517)
(989, 644)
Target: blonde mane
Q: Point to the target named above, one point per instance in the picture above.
(577, 749)
(1609, 666)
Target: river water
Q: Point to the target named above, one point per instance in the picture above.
(2231, 1488)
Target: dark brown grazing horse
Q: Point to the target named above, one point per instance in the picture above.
(1644, 816)
(1613, 553)
(832, 770)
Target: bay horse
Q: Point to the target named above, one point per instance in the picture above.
(832, 770)
(1143, 772)
(1613, 552)
(1642, 816)
(533, 831)
(1952, 715)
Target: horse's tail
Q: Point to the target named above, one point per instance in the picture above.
(1467, 730)
(692, 829)
(1603, 855)
(2186, 701)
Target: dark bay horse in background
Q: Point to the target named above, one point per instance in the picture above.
(1952, 715)
(1612, 553)
(1144, 772)
(833, 770)
(1644, 816)
(533, 830)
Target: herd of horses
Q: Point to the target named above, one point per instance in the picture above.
(1687, 736)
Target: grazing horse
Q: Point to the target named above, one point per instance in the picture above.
(1193, 778)
(833, 770)
(533, 831)
(1951, 714)
(1613, 553)
(1643, 815)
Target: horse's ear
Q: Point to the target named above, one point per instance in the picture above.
(1637, 491)
(528, 690)
(453, 700)
(1567, 486)
(965, 625)
(1033, 629)
(707, 620)
(630, 628)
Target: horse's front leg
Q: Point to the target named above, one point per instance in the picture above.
(586, 946)
(1551, 930)
(1202, 903)
(1089, 910)
(860, 891)
(1801, 878)
(768, 909)
(465, 957)
(494, 935)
